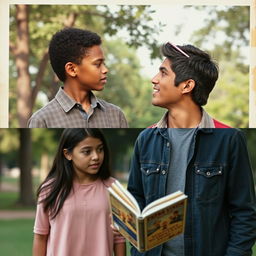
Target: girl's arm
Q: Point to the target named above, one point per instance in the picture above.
(120, 249)
(40, 245)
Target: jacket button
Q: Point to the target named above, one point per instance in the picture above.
(208, 173)
(147, 171)
(163, 172)
(168, 144)
(197, 171)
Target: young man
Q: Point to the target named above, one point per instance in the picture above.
(212, 167)
(78, 61)
(182, 86)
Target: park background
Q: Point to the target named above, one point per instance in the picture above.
(25, 159)
(132, 35)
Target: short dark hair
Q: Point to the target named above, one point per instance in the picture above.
(58, 183)
(70, 44)
(198, 66)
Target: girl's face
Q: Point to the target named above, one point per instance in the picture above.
(87, 157)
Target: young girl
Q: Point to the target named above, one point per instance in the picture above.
(73, 216)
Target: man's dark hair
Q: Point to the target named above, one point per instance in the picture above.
(198, 66)
(70, 44)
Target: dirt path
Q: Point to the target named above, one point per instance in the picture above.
(9, 215)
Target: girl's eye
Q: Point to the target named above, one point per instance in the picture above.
(100, 149)
(86, 152)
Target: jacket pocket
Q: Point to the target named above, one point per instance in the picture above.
(208, 180)
(151, 180)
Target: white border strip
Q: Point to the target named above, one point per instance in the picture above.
(4, 66)
(252, 89)
(136, 2)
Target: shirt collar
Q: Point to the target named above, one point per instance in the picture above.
(206, 121)
(67, 103)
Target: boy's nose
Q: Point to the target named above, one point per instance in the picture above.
(105, 70)
(154, 80)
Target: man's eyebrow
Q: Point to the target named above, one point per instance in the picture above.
(163, 69)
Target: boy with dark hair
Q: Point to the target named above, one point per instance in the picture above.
(78, 61)
(183, 84)
(211, 166)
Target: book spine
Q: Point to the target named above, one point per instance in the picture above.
(141, 234)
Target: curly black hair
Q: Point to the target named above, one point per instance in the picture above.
(70, 44)
(198, 66)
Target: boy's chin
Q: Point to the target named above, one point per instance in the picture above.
(99, 88)
(157, 104)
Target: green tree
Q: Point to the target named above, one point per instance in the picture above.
(32, 26)
(224, 32)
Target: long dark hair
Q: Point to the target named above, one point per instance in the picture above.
(58, 183)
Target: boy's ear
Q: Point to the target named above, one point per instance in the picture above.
(67, 154)
(70, 68)
(188, 86)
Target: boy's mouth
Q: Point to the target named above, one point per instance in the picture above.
(155, 90)
(104, 79)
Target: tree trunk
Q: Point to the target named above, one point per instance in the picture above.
(24, 90)
(25, 163)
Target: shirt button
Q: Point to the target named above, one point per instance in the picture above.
(208, 173)
(197, 171)
(163, 172)
(147, 171)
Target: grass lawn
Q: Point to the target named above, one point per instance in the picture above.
(8, 201)
(16, 237)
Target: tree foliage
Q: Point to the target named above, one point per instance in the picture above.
(224, 33)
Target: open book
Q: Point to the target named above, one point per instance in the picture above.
(159, 221)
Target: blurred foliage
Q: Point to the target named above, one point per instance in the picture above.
(224, 33)
(45, 141)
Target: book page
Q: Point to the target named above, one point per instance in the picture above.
(161, 200)
(165, 224)
(126, 195)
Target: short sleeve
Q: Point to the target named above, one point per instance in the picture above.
(42, 223)
(123, 121)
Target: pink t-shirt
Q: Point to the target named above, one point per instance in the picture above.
(82, 227)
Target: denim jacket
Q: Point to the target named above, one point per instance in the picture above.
(221, 212)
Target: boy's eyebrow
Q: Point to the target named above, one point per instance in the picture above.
(163, 69)
(100, 59)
